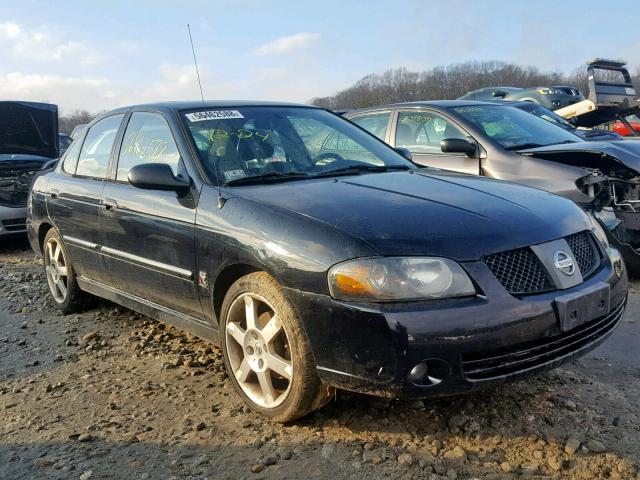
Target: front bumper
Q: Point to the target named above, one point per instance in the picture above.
(12, 220)
(473, 342)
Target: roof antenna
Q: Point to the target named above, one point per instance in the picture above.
(221, 199)
(195, 62)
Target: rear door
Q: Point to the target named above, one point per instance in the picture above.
(74, 193)
(421, 131)
(148, 235)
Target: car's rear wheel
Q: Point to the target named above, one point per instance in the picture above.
(266, 351)
(61, 277)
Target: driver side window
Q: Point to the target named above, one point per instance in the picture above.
(148, 139)
(422, 132)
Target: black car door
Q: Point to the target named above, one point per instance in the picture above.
(421, 131)
(148, 235)
(74, 193)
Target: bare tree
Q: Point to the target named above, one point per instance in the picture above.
(447, 82)
(67, 123)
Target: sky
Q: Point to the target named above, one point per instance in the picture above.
(103, 54)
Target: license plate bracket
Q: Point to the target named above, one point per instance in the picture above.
(575, 309)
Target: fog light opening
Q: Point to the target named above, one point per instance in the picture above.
(429, 373)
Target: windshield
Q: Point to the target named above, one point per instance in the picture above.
(235, 144)
(514, 129)
(545, 114)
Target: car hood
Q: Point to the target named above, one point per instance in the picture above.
(596, 135)
(451, 215)
(28, 128)
(626, 153)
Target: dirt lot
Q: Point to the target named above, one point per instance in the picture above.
(112, 394)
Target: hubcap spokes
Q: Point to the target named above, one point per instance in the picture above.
(55, 266)
(258, 349)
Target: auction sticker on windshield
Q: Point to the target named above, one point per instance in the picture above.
(213, 115)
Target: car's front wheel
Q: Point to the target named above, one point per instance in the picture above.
(61, 277)
(266, 351)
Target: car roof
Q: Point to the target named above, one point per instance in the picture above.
(199, 104)
(442, 104)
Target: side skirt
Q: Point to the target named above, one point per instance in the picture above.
(190, 324)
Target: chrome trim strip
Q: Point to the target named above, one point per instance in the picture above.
(146, 261)
(338, 372)
(80, 243)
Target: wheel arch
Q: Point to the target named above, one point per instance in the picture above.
(43, 229)
(223, 281)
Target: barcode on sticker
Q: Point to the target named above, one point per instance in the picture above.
(213, 115)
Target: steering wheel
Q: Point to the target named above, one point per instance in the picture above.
(321, 159)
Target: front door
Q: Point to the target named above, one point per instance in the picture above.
(422, 131)
(148, 235)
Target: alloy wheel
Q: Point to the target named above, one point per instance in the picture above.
(55, 265)
(258, 350)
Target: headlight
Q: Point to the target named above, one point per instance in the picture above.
(614, 255)
(599, 233)
(548, 91)
(385, 279)
(616, 260)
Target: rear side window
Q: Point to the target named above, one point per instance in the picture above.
(96, 149)
(148, 139)
(375, 123)
(70, 161)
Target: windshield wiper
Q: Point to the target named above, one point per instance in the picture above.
(524, 146)
(357, 169)
(267, 177)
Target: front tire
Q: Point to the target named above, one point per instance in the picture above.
(61, 277)
(266, 351)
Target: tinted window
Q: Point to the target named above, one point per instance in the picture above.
(375, 123)
(422, 132)
(148, 139)
(96, 149)
(70, 160)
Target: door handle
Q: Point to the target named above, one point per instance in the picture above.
(53, 193)
(109, 204)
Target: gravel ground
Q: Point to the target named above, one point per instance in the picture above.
(112, 394)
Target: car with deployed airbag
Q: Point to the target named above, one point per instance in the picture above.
(318, 257)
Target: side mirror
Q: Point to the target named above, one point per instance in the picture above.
(405, 153)
(157, 176)
(457, 145)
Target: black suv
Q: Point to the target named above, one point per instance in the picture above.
(318, 257)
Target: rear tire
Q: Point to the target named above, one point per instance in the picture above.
(266, 351)
(61, 277)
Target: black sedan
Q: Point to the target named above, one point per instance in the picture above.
(500, 141)
(318, 257)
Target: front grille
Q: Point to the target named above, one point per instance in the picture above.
(519, 271)
(15, 225)
(527, 356)
(585, 252)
